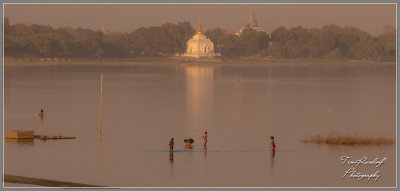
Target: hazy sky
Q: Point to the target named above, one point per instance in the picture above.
(128, 17)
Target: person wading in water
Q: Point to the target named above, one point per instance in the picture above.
(205, 138)
(41, 114)
(171, 145)
(272, 143)
(188, 143)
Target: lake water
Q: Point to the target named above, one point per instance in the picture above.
(239, 105)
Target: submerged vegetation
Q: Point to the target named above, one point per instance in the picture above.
(328, 42)
(337, 139)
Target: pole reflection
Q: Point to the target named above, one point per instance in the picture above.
(100, 160)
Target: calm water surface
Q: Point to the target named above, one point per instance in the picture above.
(240, 106)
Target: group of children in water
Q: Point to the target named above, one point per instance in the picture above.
(190, 141)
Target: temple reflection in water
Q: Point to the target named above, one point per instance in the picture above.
(199, 97)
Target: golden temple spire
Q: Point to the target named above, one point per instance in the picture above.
(252, 20)
(198, 27)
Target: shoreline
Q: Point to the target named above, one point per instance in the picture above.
(11, 61)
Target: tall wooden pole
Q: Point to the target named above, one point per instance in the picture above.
(101, 100)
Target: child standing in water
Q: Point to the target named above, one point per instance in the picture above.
(272, 143)
(171, 145)
(41, 114)
(205, 138)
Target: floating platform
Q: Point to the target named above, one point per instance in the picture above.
(20, 134)
(53, 137)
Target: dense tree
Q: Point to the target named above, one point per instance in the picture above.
(217, 36)
(251, 42)
(330, 41)
(277, 50)
(116, 45)
(168, 39)
(7, 27)
(281, 35)
(386, 44)
(229, 47)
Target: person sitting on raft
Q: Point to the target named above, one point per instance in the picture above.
(189, 143)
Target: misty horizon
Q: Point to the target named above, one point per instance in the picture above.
(371, 18)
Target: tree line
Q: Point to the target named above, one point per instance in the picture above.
(330, 41)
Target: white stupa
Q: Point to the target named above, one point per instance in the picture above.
(199, 45)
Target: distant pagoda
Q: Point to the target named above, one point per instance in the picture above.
(199, 45)
(251, 24)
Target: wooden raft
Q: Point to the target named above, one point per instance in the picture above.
(19, 134)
